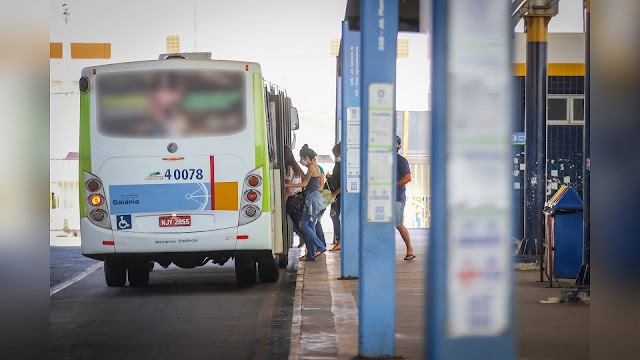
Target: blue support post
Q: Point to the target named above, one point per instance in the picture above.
(536, 129)
(338, 130)
(470, 292)
(379, 32)
(584, 277)
(437, 262)
(350, 150)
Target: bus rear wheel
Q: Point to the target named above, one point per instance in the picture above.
(115, 272)
(268, 269)
(245, 270)
(138, 273)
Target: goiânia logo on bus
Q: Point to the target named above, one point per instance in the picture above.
(154, 176)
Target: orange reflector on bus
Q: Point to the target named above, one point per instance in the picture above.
(173, 158)
(96, 200)
(107, 242)
(243, 237)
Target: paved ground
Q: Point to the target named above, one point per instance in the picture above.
(202, 313)
(184, 314)
(65, 262)
(326, 315)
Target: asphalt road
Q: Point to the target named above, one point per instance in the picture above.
(196, 313)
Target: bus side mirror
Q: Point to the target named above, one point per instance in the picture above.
(295, 121)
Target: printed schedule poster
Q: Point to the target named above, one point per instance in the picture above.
(353, 149)
(380, 154)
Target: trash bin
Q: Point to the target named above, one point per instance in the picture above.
(564, 229)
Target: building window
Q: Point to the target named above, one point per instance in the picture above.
(578, 110)
(402, 49)
(565, 109)
(335, 47)
(557, 110)
(173, 44)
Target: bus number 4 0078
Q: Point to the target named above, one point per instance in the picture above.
(183, 174)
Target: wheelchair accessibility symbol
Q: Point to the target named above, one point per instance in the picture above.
(124, 222)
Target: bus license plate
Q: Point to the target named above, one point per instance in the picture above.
(179, 220)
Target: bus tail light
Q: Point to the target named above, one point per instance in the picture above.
(96, 201)
(253, 180)
(250, 206)
(250, 211)
(93, 185)
(251, 195)
(98, 215)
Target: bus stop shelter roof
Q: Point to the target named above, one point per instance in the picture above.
(408, 15)
(408, 20)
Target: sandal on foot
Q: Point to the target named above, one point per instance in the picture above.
(409, 257)
(318, 253)
(335, 248)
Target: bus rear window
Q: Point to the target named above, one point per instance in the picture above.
(170, 103)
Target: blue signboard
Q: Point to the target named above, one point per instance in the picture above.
(131, 199)
(518, 138)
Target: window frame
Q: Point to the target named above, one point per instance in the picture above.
(569, 110)
(573, 121)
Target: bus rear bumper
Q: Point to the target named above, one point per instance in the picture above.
(253, 236)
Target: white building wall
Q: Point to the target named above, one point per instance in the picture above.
(562, 48)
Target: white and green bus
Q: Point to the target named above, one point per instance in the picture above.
(180, 162)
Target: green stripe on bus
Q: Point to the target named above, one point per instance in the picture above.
(84, 152)
(262, 155)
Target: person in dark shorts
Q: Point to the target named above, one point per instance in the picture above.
(334, 185)
(404, 177)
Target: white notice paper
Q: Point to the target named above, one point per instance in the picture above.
(381, 132)
(478, 172)
(353, 149)
(381, 152)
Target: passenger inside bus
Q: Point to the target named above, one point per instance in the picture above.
(171, 104)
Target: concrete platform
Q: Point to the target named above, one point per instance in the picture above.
(325, 315)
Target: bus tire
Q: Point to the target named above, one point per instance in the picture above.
(138, 274)
(268, 269)
(115, 272)
(245, 270)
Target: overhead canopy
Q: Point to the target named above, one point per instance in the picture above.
(408, 15)
(408, 19)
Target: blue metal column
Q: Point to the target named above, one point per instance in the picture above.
(470, 293)
(536, 129)
(338, 107)
(350, 165)
(379, 33)
(584, 276)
